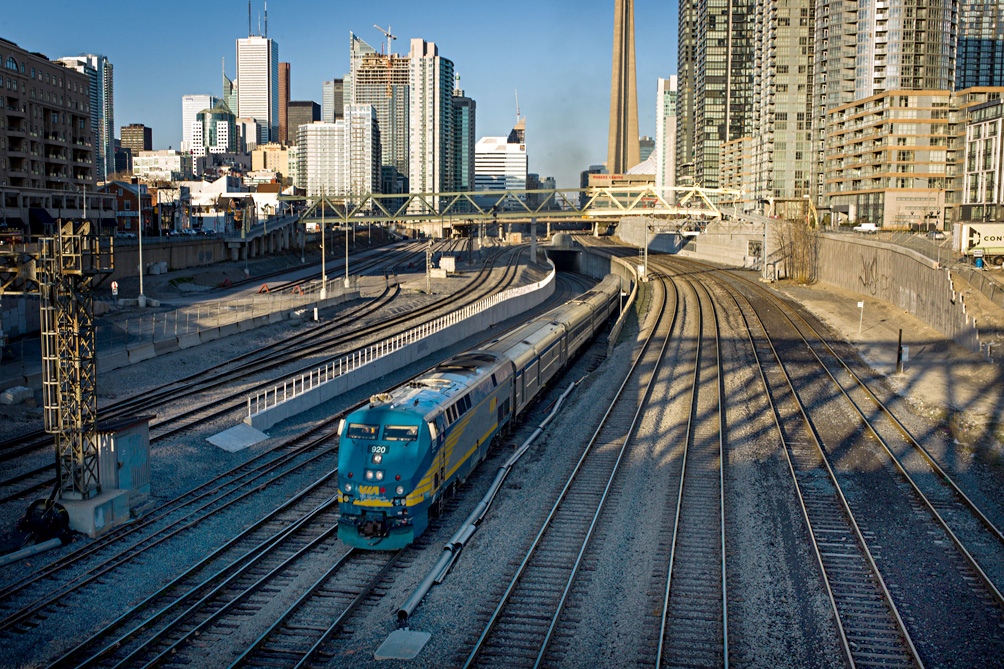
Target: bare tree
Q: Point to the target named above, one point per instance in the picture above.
(799, 246)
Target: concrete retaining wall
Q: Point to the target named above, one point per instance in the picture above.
(405, 356)
(722, 242)
(19, 315)
(900, 276)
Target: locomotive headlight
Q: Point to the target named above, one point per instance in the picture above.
(399, 490)
(369, 474)
(379, 476)
(348, 487)
(377, 458)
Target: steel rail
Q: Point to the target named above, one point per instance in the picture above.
(693, 417)
(842, 616)
(645, 354)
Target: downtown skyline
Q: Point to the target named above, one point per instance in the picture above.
(558, 57)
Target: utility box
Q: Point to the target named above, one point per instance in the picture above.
(448, 263)
(124, 457)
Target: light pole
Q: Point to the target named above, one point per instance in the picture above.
(324, 257)
(347, 224)
(645, 272)
(141, 299)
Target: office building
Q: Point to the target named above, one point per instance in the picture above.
(284, 134)
(383, 81)
(258, 84)
(102, 103)
(780, 147)
(229, 91)
(665, 135)
(715, 77)
(47, 172)
(322, 169)
(300, 112)
(622, 144)
(430, 119)
(137, 137)
(864, 48)
(190, 106)
(362, 148)
(163, 165)
(332, 100)
(646, 147)
(272, 157)
(500, 164)
(214, 131)
(465, 139)
(980, 60)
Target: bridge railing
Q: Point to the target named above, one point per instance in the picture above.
(298, 385)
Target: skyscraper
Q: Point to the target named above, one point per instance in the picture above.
(867, 47)
(981, 45)
(284, 134)
(102, 94)
(191, 105)
(780, 147)
(382, 81)
(229, 91)
(258, 84)
(465, 134)
(332, 100)
(322, 157)
(716, 61)
(362, 147)
(622, 149)
(300, 112)
(430, 118)
(665, 134)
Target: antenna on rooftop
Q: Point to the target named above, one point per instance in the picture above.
(266, 19)
(517, 106)
(249, 18)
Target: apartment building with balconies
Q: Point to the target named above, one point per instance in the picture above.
(47, 144)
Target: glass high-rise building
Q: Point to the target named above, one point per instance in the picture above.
(862, 48)
(465, 132)
(332, 100)
(716, 65)
(430, 119)
(665, 134)
(980, 59)
(258, 84)
(102, 96)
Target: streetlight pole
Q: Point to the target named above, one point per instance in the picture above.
(324, 257)
(141, 300)
(347, 224)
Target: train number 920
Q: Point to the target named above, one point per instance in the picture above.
(382, 450)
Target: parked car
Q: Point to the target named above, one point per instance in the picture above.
(936, 234)
(866, 227)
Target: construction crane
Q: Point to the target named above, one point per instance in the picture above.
(390, 38)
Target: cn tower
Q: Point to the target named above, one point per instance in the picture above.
(623, 151)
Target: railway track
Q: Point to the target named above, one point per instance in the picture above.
(694, 619)
(523, 629)
(112, 557)
(276, 356)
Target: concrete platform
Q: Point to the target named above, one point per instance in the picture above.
(402, 645)
(237, 438)
(97, 515)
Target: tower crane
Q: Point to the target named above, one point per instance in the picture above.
(390, 38)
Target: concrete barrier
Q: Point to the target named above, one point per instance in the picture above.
(289, 407)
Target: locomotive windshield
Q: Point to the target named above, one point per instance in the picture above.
(400, 432)
(360, 431)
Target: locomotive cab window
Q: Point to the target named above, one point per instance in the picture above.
(360, 431)
(400, 432)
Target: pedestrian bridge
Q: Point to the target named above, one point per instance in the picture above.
(563, 204)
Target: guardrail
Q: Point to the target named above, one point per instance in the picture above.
(304, 383)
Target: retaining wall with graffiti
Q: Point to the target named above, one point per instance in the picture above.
(900, 276)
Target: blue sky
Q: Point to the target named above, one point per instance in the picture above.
(556, 53)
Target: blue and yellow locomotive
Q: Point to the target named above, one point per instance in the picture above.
(401, 452)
